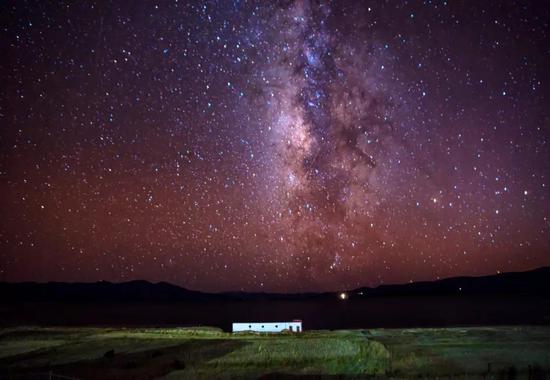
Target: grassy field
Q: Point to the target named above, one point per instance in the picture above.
(209, 353)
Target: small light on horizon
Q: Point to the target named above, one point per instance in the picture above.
(343, 296)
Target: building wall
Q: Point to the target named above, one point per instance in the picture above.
(267, 326)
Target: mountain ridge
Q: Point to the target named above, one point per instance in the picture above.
(534, 281)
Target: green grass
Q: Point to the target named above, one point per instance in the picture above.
(209, 353)
(315, 353)
(444, 352)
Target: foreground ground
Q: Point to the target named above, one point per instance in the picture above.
(209, 353)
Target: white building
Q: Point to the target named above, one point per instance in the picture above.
(272, 327)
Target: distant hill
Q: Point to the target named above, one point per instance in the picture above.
(534, 282)
(101, 291)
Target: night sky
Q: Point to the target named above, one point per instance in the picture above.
(273, 146)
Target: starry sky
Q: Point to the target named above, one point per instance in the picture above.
(273, 146)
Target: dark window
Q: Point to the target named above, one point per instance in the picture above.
(262, 326)
(249, 326)
(276, 326)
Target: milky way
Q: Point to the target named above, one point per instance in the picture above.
(273, 146)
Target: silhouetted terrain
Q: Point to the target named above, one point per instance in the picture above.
(510, 298)
(532, 282)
